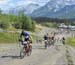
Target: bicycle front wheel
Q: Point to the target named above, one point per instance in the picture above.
(22, 53)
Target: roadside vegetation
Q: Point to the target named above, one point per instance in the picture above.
(69, 57)
(11, 22)
(20, 21)
(7, 37)
(71, 41)
(50, 24)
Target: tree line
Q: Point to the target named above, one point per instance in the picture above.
(55, 20)
(20, 21)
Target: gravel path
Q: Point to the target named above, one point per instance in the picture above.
(72, 53)
(54, 55)
(39, 56)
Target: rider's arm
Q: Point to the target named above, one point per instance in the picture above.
(30, 38)
(21, 35)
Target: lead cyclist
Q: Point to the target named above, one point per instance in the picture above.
(26, 40)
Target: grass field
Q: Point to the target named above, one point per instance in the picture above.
(71, 41)
(50, 24)
(13, 37)
(8, 37)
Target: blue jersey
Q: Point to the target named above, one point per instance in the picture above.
(26, 34)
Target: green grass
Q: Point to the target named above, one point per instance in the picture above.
(35, 37)
(71, 41)
(8, 37)
(49, 24)
(37, 30)
(68, 57)
(13, 37)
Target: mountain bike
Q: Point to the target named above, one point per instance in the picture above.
(26, 49)
(46, 44)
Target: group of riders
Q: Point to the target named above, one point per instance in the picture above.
(26, 40)
(49, 39)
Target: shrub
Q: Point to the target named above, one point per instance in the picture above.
(4, 25)
(17, 25)
(26, 22)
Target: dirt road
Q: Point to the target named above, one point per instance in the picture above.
(39, 56)
(54, 55)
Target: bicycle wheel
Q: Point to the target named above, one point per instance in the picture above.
(63, 42)
(22, 53)
(30, 50)
(45, 45)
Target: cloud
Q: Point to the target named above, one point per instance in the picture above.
(24, 2)
(4, 2)
(11, 5)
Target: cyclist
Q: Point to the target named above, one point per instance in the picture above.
(63, 40)
(46, 37)
(26, 39)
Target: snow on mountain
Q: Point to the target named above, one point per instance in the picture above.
(54, 8)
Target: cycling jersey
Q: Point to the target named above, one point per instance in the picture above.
(26, 35)
(45, 37)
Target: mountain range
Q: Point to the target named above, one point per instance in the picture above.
(52, 9)
(26, 9)
(56, 9)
